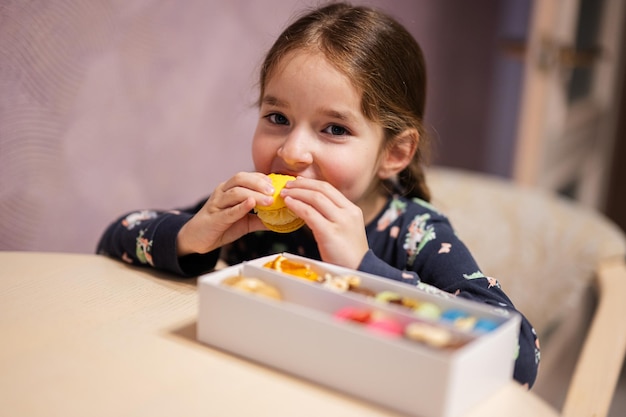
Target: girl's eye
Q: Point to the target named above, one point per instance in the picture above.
(336, 130)
(277, 119)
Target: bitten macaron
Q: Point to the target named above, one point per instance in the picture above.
(277, 217)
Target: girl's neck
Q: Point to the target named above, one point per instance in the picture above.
(373, 204)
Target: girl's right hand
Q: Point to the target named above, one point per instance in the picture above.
(225, 217)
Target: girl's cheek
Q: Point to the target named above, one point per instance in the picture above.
(262, 155)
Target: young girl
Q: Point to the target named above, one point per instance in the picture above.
(342, 95)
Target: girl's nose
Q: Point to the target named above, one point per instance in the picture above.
(297, 149)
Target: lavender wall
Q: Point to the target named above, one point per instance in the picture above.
(108, 106)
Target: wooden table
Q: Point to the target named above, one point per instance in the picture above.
(84, 335)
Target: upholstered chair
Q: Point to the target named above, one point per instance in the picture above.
(563, 267)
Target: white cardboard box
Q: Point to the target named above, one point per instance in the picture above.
(299, 336)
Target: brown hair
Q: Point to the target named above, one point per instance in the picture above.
(383, 61)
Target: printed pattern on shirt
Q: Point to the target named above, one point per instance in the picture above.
(410, 241)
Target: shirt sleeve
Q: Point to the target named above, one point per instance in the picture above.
(417, 239)
(445, 262)
(148, 238)
(372, 264)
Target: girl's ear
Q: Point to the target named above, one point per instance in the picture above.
(398, 155)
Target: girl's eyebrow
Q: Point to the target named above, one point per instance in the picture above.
(274, 101)
(343, 116)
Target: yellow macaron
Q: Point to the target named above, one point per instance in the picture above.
(277, 217)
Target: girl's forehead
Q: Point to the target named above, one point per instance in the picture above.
(299, 57)
(309, 56)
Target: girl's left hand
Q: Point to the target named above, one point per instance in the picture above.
(336, 222)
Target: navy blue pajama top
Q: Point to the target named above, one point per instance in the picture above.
(410, 241)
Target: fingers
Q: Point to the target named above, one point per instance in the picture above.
(240, 187)
(307, 197)
(316, 188)
(233, 214)
(336, 222)
(225, 216)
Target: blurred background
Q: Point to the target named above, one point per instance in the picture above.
(107, 106)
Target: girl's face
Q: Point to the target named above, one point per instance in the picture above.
(311, 125)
